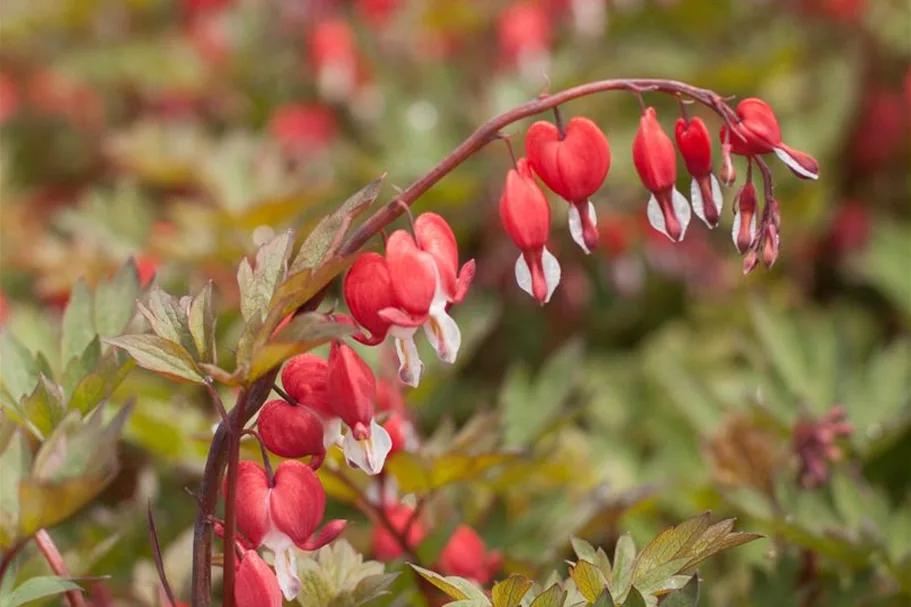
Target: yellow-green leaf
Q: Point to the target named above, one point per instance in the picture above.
(552, 597)
(454, 587)
(510, 591)
(159, 355)
(589, 580)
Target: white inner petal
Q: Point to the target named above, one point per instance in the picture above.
(523, 275)
(286, 572)
(552, 272)
(332, 432)
(443, 334)
(368, 454)
(655, 216)
(735, 229)
(698, 203)
(682, 210)
(717, 196)
(410, 366)
(795, 166)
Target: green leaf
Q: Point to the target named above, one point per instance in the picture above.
(100, 382)
(668, 552)
(44, 408)
(15, 461)
(302, 334)
(372, 587)
(201, 320)
(249, 301)
(782, 343)
(589, 580)
(584, 551)
(38, 588)
(337, 576)
(688, 596)
(159, 355)
(454, 587)
(605, 600)
(115, 300)
(552, 597)
(634, 599)
(885, 263)
(421, 473)
(299, 288)
(509, 592)
(78, 322)
(78, 367)
(624, 560)
(19, 372)
(168, 317)
(332, 228)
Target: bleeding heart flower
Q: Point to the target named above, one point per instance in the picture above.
(292, 431)
(656, 162)
(524, 35)
(758, 133)
(466, 556)
(304, 378)
(745, 228)
(334, 56)
(695, 145)
(525, 215)
(434, 236)
(573, 164)
(386, 546)
(283, 515)
(255, 585)
(352, 396)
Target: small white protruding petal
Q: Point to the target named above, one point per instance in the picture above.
(410, 366)
(793, 164)
(682, 210)
(523, 275)
(552, 272)
(332, 432)
(655, 216)
(443, 334)
(575, 224)
(368, 454)
(286, 572)
(717, 196)
(735, 228)
(696, 199)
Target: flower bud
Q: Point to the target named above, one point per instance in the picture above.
(728, 174)
(386, 546)
(291, 431)
(744, 230)
(771, 243)
(695, 145)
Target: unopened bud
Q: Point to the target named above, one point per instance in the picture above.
(750, 261)
(770, 245)
(728, 173)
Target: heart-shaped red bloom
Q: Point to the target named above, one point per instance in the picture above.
(304, 379)
(695, 145)
(654, 154)
(574, 165)
(435, 236)
(291, 431)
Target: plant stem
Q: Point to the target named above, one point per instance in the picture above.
(10, 555)
(58, 566)
(251, 400)
(234, 434)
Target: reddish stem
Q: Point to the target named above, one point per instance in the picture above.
(58, 566)
(234, 435)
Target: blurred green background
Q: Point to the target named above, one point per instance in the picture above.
(658, 383)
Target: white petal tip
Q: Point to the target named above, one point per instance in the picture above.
(794, 165)
(369, 454)
(575, 225)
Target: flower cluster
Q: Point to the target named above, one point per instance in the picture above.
(574, 160)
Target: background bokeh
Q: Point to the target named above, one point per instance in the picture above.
(658, 383)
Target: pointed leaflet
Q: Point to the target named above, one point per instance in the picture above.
(44, 408)
(159, 355)
(668, 552)
(552, 597)
(332, 227)
(509, 592)
(19, 371)
(167, 316)
(302, 334)
(589, 580)
(100, 382)
(78, 323)
(115, 300)
(634, 599)
(201, 321)
(624, 559)
(454, 587)
(605, 600)
(77, 367)
(38, 588)
(15, 461)
(688, 596)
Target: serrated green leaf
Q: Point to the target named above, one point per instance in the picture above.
(271, 265)
(159, 355)
(302, 334)
(100, 382)
(589, 580)
(624, 561)
(688, 596)
(44, 408)
(38, 588)
(15, 461)
(333, 226)
(372, 587)
(299, 288)
(167, 315)
(552, 597)
(668, 552)
(634, 599)
(115, 300)
(509, 592)
(249, 300)
(78, 367)
(605, 600)
(18, 371)
(201, 320)
(78, 322)
(453, 586)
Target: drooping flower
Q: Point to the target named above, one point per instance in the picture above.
(574, 164)
(695, 145)
(525, 215)
(304, 378)
(386, 546)
(283, 515)
(292, 431)
(465, 555)
(255, 585)
(656, 162)
(758, 133)
(745, 228)
(352, 396)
